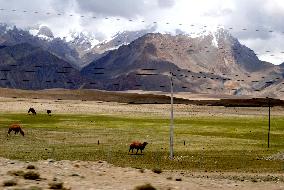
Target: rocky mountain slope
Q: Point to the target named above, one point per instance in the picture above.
(25, 66)
(91, 49)
(215, 63)
(11, 35)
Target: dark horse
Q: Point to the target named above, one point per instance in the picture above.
(48, 112)
(32, 110)
(17, 128)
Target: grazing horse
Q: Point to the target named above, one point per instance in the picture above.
(138, 146)
(48, 112)
(32, 110)
(17, 128)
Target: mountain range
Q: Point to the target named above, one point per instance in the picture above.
(214, 63)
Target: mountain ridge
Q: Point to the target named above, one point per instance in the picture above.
(204, 61)
(25, 66)
(211, 63)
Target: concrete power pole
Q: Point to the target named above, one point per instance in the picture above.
(268, 140)
(172, 120)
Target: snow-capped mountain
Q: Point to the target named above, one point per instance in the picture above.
(40, 37)
(122, 38)
(43, 32)
(83, 41)
(212, 62)
(86, 45)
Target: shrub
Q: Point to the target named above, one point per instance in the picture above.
(31, 175)
(141, 170)
(31, 167)
(157, 170)
(9, 183)
(56, 185)
(145, 187)
(178, 179)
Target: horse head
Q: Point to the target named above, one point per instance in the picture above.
(145, 143)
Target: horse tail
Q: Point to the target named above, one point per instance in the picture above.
(9, 131)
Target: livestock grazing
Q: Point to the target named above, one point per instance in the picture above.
(16, 128)
(138, 146)
(48, 112)
(32, 110)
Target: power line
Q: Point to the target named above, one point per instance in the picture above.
(199, 26)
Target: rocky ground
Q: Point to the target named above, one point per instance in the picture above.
(50, 174)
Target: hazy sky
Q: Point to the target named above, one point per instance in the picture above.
(263, 15)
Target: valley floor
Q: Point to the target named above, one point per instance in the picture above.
(225, 147)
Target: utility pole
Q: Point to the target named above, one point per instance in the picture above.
(268, 140)
(172, 120)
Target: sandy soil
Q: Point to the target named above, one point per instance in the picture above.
(101, 175)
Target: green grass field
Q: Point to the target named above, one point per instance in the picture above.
(211, 143)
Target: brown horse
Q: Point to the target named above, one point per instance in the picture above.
(17, 128)
(138, 146)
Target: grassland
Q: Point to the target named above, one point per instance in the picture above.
(212, 143)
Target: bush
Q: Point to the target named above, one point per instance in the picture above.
(141, 170)
(157, 170)
(145, 187)
(30, 167)
(31, 175)
(56, 185)
(9, 183)
(178, 179)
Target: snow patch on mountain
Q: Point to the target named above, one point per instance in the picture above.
(215, 41)
(42, 32)
(4, 28)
